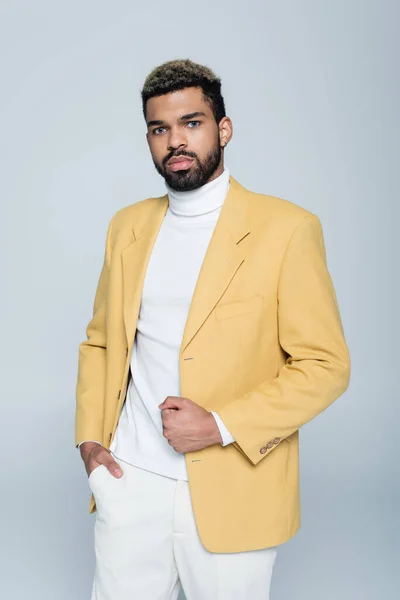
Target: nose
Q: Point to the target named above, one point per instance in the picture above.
(177, 139)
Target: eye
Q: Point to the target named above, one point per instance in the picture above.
(156, 130)
(196, 122)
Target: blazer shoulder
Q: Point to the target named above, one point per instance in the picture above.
(273, 215)
(136, 208)
(279, 209)
(119, 232)
(126, 216)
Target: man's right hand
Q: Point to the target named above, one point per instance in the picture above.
(94, 455)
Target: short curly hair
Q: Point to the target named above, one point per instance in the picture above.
(176, 75)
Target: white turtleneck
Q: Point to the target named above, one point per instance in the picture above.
(170, 280)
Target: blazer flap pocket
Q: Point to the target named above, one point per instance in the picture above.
(239, 307)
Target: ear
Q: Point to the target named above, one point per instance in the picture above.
(225, 131)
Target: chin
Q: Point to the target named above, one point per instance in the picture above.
(182, 184)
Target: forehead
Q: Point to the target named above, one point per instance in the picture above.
(171, 106)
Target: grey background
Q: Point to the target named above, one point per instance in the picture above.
(313, 91)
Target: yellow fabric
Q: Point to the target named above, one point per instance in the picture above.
(266, 347)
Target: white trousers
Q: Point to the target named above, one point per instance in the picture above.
(147, 546)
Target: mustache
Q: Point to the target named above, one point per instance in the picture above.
(181, 153)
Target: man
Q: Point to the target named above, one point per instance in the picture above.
(215, 336)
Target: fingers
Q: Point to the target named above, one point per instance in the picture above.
(171, 402)
(167, 411)
(113, 466)
(102, 456)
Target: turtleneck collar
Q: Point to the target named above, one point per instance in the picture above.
(202, 200)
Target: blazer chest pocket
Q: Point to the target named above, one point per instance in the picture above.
(240, 307)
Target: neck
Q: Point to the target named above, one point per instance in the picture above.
(204, 199)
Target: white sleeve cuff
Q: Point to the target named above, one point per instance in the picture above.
(80, 443)
(226, 436)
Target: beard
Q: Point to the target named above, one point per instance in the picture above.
(197, 175)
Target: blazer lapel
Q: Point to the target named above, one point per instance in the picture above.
(223, 258)
(135, 258)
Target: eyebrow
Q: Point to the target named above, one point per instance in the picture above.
(186, 117)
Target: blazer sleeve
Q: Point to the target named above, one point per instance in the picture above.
(317, 367)
(90, 388)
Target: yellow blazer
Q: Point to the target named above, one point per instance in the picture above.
(266, 347)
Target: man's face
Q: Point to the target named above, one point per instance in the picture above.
(184, 139)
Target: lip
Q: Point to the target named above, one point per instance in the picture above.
(177, 163)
